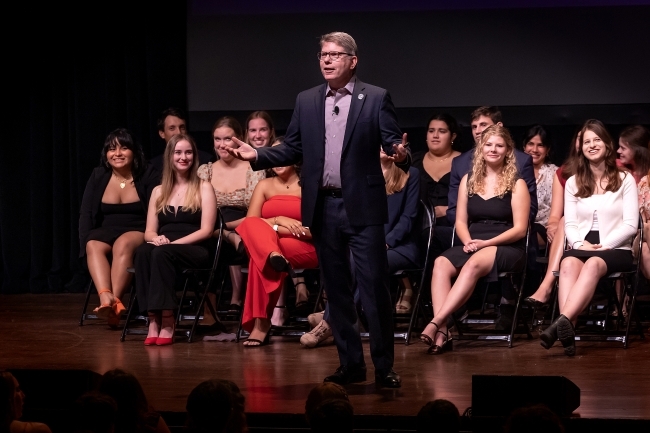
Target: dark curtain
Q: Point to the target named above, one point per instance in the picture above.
(75, 75)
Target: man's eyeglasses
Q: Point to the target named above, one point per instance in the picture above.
(333, 55)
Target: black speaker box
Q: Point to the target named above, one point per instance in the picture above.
(500, 395)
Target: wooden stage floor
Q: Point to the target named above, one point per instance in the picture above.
(41, 332)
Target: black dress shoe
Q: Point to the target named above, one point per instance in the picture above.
(388, 380)
(566, 333)
(345, 375)
(534, 303)
(549, 336)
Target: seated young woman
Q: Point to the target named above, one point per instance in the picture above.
(276, 240)
(491, 222)
(434, 167)
(644, 209)
(233, 181)
(180, 225)
(555, 226)
(538, 145)
(601, 215)
(112, 218)
(633, 151)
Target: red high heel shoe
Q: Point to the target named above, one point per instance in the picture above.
(150, 341)
(170, 340)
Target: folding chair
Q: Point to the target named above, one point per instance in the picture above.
(300, 325)
(427, 222)
(517, 279)
(202, 279)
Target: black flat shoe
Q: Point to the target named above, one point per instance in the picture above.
(566, 333)
(534, 303)
(344, 375)
(388, 380)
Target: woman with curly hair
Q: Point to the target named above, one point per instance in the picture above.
(491, 221)
(601, 212)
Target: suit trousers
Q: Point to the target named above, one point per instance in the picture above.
(155, 272)
(336, 240)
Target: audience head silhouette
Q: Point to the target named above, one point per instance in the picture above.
(216, 406)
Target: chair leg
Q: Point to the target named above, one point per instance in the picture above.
(91, 287)
(182, 300)
(129, 313)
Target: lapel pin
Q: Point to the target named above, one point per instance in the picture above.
(361, 96)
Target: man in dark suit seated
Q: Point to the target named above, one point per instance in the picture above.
(172, 122)
(483, 117)
(335, 129)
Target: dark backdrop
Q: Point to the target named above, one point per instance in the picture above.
(75, 75)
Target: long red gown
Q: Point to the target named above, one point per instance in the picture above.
(262, 292)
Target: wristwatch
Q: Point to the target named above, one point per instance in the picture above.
(275, 227)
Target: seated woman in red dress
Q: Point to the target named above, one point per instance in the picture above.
(275, 240)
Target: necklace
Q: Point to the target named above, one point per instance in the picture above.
(440, 160)
(287, 184)
(123, 181)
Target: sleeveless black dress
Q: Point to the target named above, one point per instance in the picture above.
(487, 219)
(117, 219)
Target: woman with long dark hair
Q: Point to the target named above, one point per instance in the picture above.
(112, 218)
(633, 151)
(601, 218)
(12, 399)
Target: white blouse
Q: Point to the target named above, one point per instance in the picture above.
(544, 193)
(618, 214)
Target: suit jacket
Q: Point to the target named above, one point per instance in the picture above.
(462, 164)
(371, 122)
(92, 198)
(402, 216)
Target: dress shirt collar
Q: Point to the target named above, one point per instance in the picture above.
(349, 87)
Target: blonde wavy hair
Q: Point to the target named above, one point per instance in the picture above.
(395, 179)
(508, 175)
(192, 200)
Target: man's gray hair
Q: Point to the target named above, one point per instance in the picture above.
(342, 39)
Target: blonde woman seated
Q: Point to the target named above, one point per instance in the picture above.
(180, 225)
(601, 212)
(275, 239)
(491, 221)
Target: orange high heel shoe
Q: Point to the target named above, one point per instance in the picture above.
(104, 309)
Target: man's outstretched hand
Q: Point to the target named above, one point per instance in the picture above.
(400, 150)
(239, 149)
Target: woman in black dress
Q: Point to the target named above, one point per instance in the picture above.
(491, 222)
(112, 218)
(180, 223)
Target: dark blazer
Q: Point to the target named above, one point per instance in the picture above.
(371, 122)
(462, 164)
(92, 198)
(402, 215)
